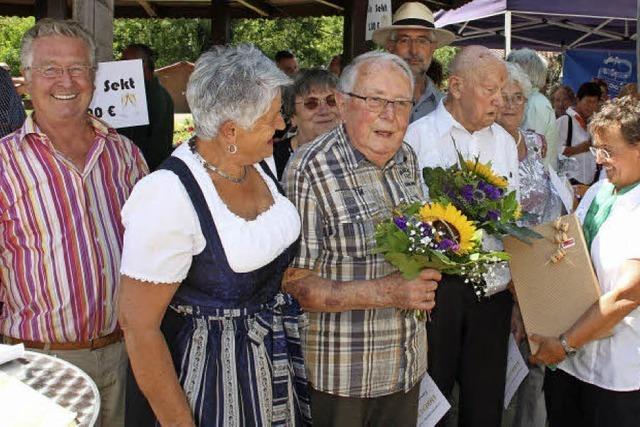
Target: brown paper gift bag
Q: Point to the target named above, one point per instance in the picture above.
(552, 296)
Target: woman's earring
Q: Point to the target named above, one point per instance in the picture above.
(233, 148)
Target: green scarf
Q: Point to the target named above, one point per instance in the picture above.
(600, 209)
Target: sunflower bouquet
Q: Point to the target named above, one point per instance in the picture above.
(480, 194)
(435, 235)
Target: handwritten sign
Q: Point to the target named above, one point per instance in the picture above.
(378, 15)
(432, 405)
(517, 370)
(119, 98)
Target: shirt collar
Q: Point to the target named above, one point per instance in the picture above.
(30, 126)
(630, 199)
(429, 93)
(445, 122)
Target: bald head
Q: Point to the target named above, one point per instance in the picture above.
(472, 62)
(476, 79)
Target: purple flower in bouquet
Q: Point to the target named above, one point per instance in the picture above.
(491, 191)
(446, 244)
(493, 215)
(401, 222)
(467, 192)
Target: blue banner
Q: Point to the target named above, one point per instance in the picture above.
(614, 67)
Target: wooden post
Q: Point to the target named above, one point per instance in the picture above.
(96, 16)
(355, 22)
(51, 9)
(220, 22)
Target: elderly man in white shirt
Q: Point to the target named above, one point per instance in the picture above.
(468, 337)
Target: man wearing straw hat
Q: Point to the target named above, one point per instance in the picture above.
(413, 37)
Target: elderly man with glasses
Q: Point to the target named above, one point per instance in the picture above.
(364, 357)
(468, 336)
(64, 177)
(413, 37)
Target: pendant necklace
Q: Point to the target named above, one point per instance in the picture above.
(212, 168)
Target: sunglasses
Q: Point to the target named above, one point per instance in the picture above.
(312, 102)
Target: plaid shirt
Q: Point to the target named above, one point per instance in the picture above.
(341, 196)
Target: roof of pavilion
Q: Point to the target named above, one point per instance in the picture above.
(202, 8)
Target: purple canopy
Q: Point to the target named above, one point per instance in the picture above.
(544, 24)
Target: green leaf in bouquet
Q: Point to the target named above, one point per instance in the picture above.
(409, 265)
(389, 238)
(523, 234)
(442, 258)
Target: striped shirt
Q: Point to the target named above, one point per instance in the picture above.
(61, 234)
(341, 196)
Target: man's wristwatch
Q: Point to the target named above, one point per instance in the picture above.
(570, 351)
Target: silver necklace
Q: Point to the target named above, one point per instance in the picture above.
(212, 168)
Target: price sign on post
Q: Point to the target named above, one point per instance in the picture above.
(378, 15)
(119, 98)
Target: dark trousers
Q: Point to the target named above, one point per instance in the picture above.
(397, 410)
(572, 402)
(468, 342)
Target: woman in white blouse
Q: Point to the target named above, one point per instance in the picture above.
(597, 382)
(211, 339)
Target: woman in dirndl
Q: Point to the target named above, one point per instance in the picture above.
(211, 339)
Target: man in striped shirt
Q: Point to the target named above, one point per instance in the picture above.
(364, 357)
(64, 176)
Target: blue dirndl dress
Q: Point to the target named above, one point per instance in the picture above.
(234, 338)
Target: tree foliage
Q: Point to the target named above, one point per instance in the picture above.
(314, 40)
(11, 31)
(172, 40)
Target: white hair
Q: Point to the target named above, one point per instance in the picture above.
(55, 27)
(350, 73)
(533, 64)
(236, 83)
(517, 75)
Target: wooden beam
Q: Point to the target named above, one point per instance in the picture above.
(253, 7)
(220, 22)
(147, 8)
(328, 3)
(51, 9)
(355, 23)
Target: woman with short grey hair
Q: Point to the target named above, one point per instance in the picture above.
(539, 114)
(207, 239)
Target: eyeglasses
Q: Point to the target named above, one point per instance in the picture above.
(377, 105)
(420, 41)
(55, 71)
(606, 155)
(517, 99)
(312, 102)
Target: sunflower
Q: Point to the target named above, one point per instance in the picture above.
(485, 172)
(463, 229)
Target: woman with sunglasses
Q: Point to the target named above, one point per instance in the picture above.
(541, 205)
(597, 382)
(310, 104)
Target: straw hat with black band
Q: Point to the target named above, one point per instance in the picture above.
(413, 16)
